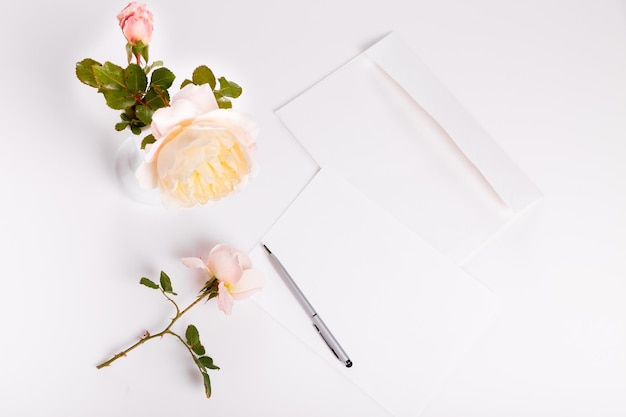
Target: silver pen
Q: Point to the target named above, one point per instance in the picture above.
(318, 323)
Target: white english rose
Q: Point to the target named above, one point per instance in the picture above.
(201, 153)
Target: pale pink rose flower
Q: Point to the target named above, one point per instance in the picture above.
(202, 153)
(233, 270)
(187, 104)
(136, 22)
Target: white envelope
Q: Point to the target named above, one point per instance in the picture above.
(389, 127)
(403, 312)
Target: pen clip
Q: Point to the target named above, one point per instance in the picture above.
(325, 341)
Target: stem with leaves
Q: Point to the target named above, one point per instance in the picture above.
(191, 341)
(140, 91)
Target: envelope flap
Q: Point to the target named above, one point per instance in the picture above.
(506, 178)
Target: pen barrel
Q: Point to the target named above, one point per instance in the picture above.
(293, 287)
(318, 323)
(330, 340)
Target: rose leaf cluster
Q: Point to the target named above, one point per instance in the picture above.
(223, 93)
(128, 89)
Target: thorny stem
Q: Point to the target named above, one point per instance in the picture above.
(141, 341)
(184, 344)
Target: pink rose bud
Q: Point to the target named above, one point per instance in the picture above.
(136, 23)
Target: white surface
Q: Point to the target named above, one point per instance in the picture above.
(545, 78)
(403, 312)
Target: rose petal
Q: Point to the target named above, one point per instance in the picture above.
(224, 299)
(166, 118)
(244, 259)
(200, 95)
(146, 175)
(192, 262)
(239, 124)
(224, 263)
(251, 281)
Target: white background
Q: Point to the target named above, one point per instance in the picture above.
(547, 79)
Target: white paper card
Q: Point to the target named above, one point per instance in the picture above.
(388, 126)
(402, 311)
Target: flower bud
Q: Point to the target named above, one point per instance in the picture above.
(137, 23)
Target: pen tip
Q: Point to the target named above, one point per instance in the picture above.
(348, 363)
(266, 248)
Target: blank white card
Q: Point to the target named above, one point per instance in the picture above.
(403, 312)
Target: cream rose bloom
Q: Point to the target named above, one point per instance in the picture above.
(201, 153)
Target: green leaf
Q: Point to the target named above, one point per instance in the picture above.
(110, 76)
(162, 77)
(85, 72)
(229, 88)
(207, 362)
(193, 340)
(185, 82)
(156, 97)
(129, 51)
(118, 99)
(147, 140)
(154, 65)
(203, 75)
(148, 283)
(207, 384)
(112, 85)
(192, 336)
(198, 349)
(121, 126)
(135, 79)
(166, 283)
(144, 114)
(224, 103)
(145, 52)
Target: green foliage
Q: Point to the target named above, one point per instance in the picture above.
(210, 288)
(207, 384)
(147, 140)
(135, 79)
(166, 283)
(193, 340)
(128, 89)
(162, 77)
(140, 91)
(148, 283)
(203, 75)
(207, 362)
(203, 362)
(144, 114)
(84, 72)
(192, 337)
(227, 89)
